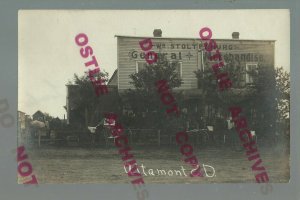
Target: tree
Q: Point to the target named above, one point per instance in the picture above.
(214, 99)
(283, 93)
(47, 117)
(264, 101)
(87, 102)
(262, 104)
(144, 100)
(210, 99)
(55, 124)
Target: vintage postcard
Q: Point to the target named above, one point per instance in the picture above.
(153, 96)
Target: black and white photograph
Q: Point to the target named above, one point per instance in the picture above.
(156, 96)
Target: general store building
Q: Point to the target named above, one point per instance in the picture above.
(190, 54)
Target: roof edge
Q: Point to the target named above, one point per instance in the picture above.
(190, 38)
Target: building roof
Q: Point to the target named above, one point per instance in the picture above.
(38, 113)
(113, 79)
(190, 38)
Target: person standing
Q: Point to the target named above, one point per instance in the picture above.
(99, 132)
(235, 143)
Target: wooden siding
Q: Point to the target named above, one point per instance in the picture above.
(237, 52)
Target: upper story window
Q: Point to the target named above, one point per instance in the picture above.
(178, 68)
(250, 68)
(140, 65)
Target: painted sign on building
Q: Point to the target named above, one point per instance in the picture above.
(189, 53)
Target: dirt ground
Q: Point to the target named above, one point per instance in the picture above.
(104, 165)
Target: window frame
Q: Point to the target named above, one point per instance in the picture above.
(137, 65)
(180, 66)
(247, 75)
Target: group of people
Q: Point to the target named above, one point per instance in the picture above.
(219, 131)
(99, 134)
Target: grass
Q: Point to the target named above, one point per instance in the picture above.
(104, 165)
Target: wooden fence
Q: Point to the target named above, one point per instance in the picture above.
(135, 137)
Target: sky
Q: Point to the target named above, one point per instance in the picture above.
(48, 56)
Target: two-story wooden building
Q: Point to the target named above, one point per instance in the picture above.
(190, 54)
